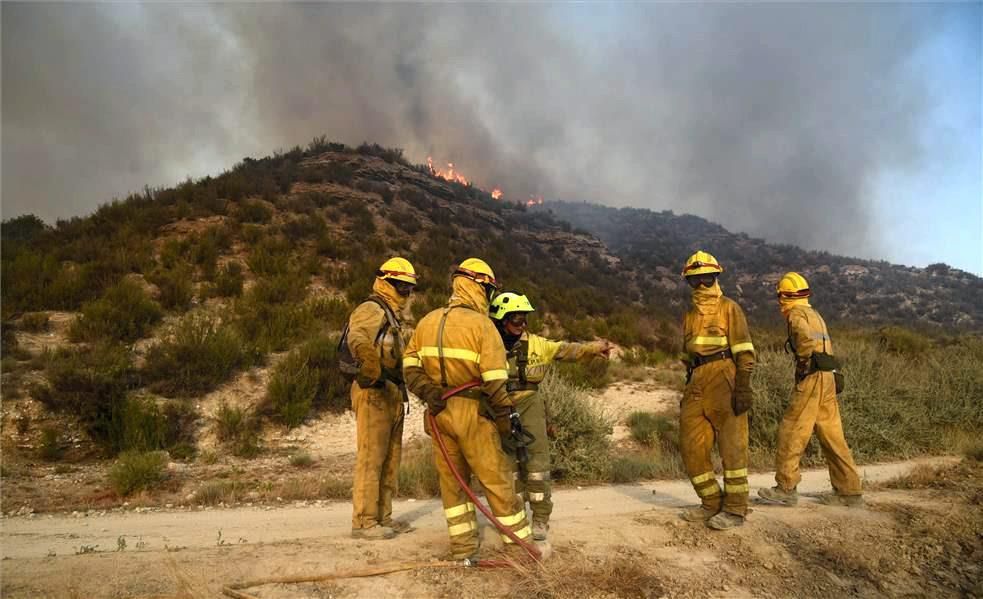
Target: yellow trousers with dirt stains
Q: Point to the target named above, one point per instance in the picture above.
(707, 416)
(474, 447)
(814, 407)
(379, 433)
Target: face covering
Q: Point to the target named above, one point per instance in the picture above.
(705, 298)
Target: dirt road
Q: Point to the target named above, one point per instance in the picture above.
(175, 553)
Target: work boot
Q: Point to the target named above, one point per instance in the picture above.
(540, 530)
(697, 514)
(724, 520)
(841, 500)
(399, 526)
(780, 496)
(374, 533)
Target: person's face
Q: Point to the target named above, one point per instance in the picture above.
(515, 323)
(403, 288)
(704, 280)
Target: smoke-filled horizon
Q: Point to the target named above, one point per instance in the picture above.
(778, 120)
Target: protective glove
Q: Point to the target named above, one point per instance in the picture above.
(503, 420)
(394, 375)
(369, 376)
(743, 397)
(433, 396)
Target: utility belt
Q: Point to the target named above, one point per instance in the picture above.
(823, 362)
(698, 360)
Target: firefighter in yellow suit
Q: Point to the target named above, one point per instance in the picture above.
(452, 346)
(529, 357)
(374, 340)
(717, 396)
(813, 405)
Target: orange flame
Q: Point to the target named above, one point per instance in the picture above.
(449, 174)
(496, 194)
(535, 201)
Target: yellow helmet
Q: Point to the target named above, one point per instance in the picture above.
(702, 263)
(478, 271)
(397, 269)
(509, 303)
(793, 285)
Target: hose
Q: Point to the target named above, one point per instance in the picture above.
(532, 550)
(234, 590)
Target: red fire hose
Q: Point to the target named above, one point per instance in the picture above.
(531, 549)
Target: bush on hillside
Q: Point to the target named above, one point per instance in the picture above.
(135, 471)
(176, 288)
(124, 313)
(581, 447)
(229, 280)
(254, 212)
(238, 429)
(198, 356)
(308, 377)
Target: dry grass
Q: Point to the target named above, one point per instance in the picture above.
(571, 573)
(417, 473)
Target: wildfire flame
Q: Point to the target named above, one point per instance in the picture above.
(450, 174)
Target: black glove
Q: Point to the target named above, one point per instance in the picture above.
(743, 396)
(433, 396)
(394, 375)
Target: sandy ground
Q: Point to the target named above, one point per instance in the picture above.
(192, 553)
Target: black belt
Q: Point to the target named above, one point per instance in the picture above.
(699, 360)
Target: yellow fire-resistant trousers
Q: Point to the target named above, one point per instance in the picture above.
(379, 433)
(814, 406)
(707, 415)
(474, 447)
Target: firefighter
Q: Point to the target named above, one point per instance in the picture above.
(374, 341)
(529, 356)
(813, 405)
(717, 396)
(450, 347)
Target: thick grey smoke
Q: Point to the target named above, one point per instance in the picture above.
(772, 119)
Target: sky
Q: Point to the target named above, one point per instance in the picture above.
(851, 128)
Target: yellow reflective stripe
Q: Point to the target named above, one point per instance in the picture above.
(707, 491)
(702, 478)
(513, 519)
(411, 362)
(735, 473)
(431, 351)
(494, 375)
(738, 348)
(522, 533)
(742, 488)
(459, 510)
(460, 529)
(709, 341)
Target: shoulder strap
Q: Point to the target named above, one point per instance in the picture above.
(391, 322)
(522, 359)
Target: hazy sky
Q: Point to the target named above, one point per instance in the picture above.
(854, 128)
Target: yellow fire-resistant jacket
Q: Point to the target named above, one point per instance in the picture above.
(715, 325)
(363, 329)
(808, 333)
(540, 353)
(472, 347)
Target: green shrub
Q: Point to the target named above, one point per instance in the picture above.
(301, 460)
(34, 322)
(581, 446)
(271, 256)
(332, 311)
(51, 448)
(648, 428)
(176, 289)
(272, 327)
(238, 429)
(592, 374)
(255, 211)
(200, 355)
(292, 388)
(228, 281)
(633, 467)
(308, 377)
(135, 471)
(91, 384)
(281, 288)
(123, 313)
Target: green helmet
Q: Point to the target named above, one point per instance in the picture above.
(507, 303)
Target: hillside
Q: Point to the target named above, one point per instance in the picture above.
(848, 290)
